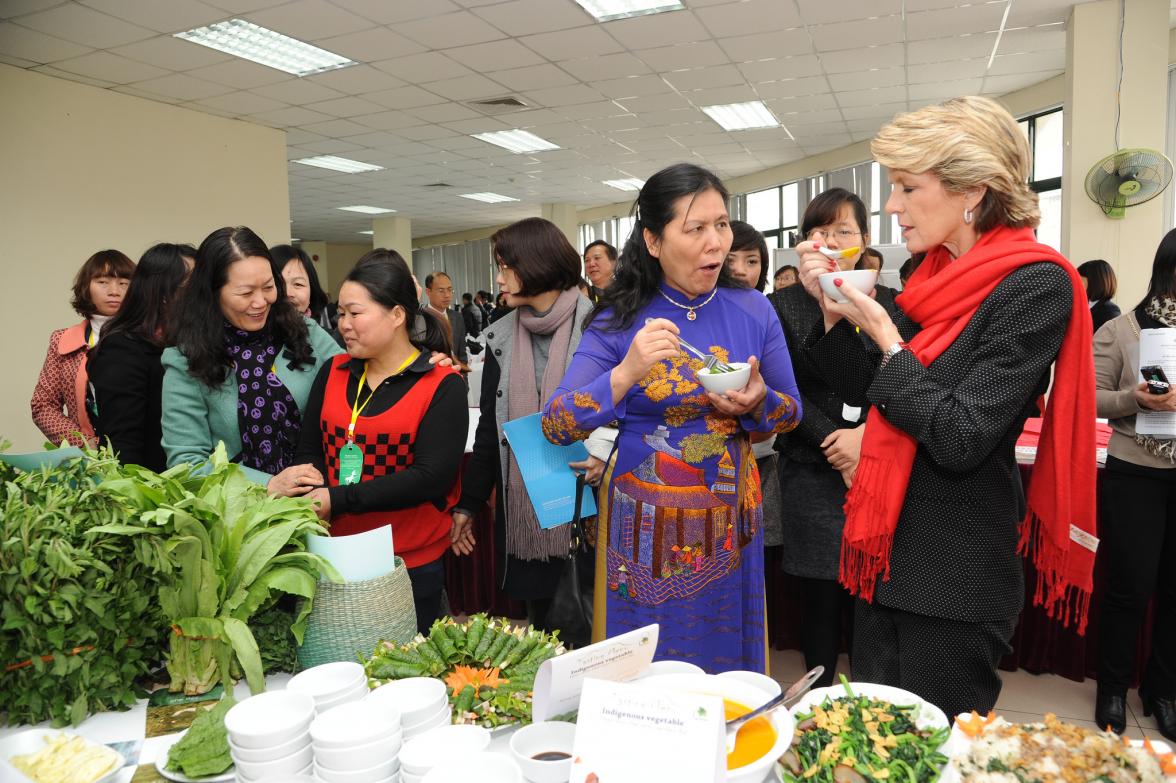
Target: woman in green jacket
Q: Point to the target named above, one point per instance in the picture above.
(242, 366)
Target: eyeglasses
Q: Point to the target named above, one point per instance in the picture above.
(840, 234)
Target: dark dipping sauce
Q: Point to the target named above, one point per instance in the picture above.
(551, 755)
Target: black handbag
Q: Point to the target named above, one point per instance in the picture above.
(571, 606)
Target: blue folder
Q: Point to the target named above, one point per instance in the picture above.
(551, 484)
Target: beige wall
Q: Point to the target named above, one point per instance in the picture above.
(82, 169)
(340, 258)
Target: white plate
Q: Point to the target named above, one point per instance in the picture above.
(165, 745)
(31, 741)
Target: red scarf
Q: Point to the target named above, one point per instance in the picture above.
(1059, 527)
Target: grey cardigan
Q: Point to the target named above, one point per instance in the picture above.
(1116, 374)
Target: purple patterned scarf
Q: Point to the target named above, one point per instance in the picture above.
(267, 414)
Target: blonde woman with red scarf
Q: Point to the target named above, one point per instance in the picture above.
(937, 516)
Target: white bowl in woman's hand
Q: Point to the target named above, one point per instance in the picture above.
(861, 279)
(722, 382)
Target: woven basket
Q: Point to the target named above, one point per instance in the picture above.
(349, 619)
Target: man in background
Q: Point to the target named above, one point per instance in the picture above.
(439, 292)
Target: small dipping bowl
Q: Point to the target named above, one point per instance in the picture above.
(553, 739)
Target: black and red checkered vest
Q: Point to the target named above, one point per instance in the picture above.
(420, 534)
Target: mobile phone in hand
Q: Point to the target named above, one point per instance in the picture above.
(1157, 381)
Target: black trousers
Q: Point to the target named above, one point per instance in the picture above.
(428, 584)
(1138, 548)
(950, 663)
(820, 633)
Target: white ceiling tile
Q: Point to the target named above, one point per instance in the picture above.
(695, 54)
(564, 96)
(377, 43)
(239, 103)
(338, 129)
(545, 118)
(825, 143)
(525, 17)
(239, 73)
(884, 56)
(175, 54)
(816, 12)
(388, 120)
(792, 88)
(938, 50)
(465, 88)
(481, 125)
(738, 18)
(573, 44)
(127, 89)
(1039, 12)
(941, 91)
(495, 56)
(295, 117)
(327, 147)
(870, 126)
(764, 46)
(182, 86)
(880, 112)
(35, 46)
(298, 92)
(605, 66)
(172, 16)
(840, 36)
(444, 112)
(1009, 64)
(459, 29)
(947, 71)
(85, 26)
(427, 66)
(50, 70)
(861, 80)
(721, 95)
(927, 5)
(611, 124)
(346, 107)
(110, 68)
(13, 8)
(309, 20)
(871, 97)
(782, 68)
(386, 12)
(1033, 39)
(535, 77)
(702, 78)
(634, 86)
(665, 29)
(598, 108)
(813, 110)
(1000, 85)
(661, 102)
(427, 133)
(374, 141)
(404, 98)
(299, 136)
(244, 6)
(16, 62)
(979, 18)
(356, 80)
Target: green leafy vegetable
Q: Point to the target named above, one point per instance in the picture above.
(275, 639)
(204, 749)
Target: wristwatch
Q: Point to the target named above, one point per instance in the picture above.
(891, 352)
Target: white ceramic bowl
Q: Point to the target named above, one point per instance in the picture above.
(360, 756)
(658, 668)
(287, 765)
(348, 725)
(272, 752)
(302, 776)
(417, 698)
(441, 717)
(544, 737)
(861, 279)
(762, 681)
(723, 382)
(927, 716)
(373, 774)
(408, 777)
(269, 719)
(328, 680)
(741, 693)
(480, 767)
(355, 694)
(422, 753)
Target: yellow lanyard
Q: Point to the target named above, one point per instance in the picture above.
(356, 408)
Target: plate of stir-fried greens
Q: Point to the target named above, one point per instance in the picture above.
(859, 732)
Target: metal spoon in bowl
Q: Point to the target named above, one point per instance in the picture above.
(710, 361)
(794, 692)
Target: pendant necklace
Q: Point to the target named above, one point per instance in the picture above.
(690, 314)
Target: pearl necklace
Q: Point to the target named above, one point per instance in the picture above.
(690, 314)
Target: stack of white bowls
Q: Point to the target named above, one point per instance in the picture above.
(269, 735)
(440, 745)
(422, 703)
(331, 684)
(480, 767)
(357, 743)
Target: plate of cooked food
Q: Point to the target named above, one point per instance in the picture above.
(55, 756)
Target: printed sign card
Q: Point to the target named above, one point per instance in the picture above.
(559, 680)
(357, 557)
(627, 733)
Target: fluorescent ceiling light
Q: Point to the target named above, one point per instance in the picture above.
(267, 47)
(367, 210)
(369, 233)
(346, 165)
(517, 141)
(607, 10)
(742, 116)
(625, 184)
(489, 198)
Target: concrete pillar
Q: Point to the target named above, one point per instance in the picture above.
(566, 218)
(318, 256)
(394, 233)
(1092, 64)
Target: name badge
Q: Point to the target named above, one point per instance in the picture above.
(850, 413)
(350, 464)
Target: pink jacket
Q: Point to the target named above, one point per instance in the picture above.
(59, 399)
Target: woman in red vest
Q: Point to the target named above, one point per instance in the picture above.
(391, 426)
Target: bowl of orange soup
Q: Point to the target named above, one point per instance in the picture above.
(760, 741)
